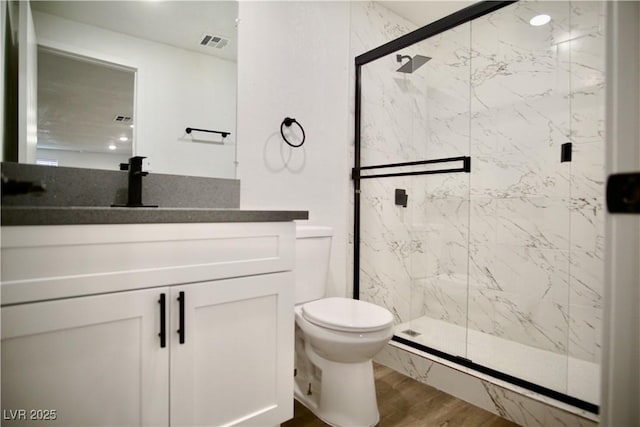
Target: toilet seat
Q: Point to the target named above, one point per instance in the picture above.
(348, 315)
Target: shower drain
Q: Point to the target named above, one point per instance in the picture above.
(411, 332)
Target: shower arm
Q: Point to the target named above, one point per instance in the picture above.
(399, 57)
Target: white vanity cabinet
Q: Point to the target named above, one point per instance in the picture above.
(85, 361)
(232, 353)
(84, 309)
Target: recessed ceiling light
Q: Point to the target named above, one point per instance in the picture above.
(131, 126)
(124, 138)
(539, 20)
(112, 146)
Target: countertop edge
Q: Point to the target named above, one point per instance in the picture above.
(27, 215)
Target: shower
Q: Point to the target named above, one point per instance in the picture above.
(496, 263)
(413, 64)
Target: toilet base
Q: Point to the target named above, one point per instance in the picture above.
(346, 396)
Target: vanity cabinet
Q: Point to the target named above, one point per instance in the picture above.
(196, 331)
(231, 353)
(85, 361)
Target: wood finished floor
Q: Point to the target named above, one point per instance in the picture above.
(404, 402)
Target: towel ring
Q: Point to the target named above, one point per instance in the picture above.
(288, 121)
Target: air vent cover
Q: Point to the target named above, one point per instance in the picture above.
(211, 40)
(122, 119)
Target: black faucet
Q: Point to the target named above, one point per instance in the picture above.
(134, 196)
(135, 181)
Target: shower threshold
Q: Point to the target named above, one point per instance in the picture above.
(567, 375)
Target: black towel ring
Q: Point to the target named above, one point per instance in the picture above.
(288, 121)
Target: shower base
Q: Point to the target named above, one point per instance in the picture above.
(568, 375)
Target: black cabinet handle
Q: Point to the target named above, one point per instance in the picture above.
(181, 330)
(163, 322)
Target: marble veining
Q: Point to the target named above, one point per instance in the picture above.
(514, 249)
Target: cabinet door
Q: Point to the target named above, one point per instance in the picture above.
(235, 366)
(85, 361)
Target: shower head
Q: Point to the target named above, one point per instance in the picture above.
(413, 63)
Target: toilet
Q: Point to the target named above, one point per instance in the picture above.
(336, 340)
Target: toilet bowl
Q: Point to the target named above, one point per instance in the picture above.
(336, 340)
(345, 340)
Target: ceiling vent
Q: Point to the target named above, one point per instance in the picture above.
(210, 40)
(122, 119)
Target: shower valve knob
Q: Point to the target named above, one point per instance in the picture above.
(401, 197)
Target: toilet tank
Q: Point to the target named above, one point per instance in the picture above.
(313, 248)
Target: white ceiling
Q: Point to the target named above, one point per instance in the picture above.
(67, 107)
(181, 23)
(176, 23)
(423, 12)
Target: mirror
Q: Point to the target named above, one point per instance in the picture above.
(125, 78)
(85, 111)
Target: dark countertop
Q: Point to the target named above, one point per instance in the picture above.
(55, 215)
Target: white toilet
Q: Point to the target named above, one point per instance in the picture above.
(336, 339)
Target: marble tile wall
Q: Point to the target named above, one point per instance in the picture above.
(386, 244)
(515, 248)
(536, 227)
(519, 250)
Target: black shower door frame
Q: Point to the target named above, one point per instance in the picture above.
(458, 18)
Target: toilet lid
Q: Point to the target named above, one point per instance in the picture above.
(344, 314)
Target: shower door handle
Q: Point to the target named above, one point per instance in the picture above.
(623, 193)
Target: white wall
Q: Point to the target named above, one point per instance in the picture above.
(294, 61)
(175, 89)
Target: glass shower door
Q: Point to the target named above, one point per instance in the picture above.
(536, 255)
(414, 255)
(499, 261)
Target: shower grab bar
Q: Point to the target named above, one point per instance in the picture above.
(466, 167)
